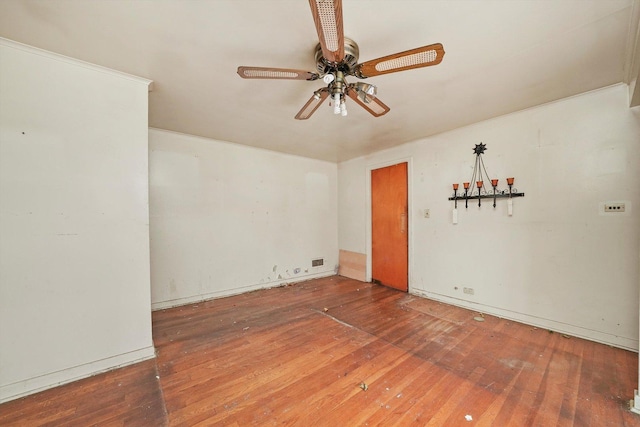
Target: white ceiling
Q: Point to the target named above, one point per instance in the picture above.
(501, 56)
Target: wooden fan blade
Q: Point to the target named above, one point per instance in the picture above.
(327, 14)
(275, 73)
(312, 105)
(376, 107)
(415, 58)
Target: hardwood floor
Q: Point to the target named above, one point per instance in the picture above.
(129, 396)
(338, 352)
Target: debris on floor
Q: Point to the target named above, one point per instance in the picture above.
(468, 417)
(325, 309)
(364, 386)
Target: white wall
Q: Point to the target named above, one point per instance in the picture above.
(559, 262)
(74, 248)
(227, 218)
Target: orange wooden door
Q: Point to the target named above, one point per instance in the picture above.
(389, 226)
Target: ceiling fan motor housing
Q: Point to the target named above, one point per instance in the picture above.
(347, 65)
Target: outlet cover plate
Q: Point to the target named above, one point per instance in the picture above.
(614, 207)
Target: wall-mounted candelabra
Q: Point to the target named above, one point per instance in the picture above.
(475, 189)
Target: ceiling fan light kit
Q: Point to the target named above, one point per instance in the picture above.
(336, 58)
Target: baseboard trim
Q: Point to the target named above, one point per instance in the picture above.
(161, 305)
(565, 328)
(635, 403)
(44, 382)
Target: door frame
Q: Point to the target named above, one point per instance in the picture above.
(370, 167)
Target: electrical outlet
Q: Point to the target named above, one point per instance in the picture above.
(614, 207)
(468, 291)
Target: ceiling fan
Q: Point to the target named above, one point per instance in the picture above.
(337, 57)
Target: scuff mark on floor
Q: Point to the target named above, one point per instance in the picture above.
(333, 318)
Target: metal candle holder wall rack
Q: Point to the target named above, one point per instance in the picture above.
(478, 177)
